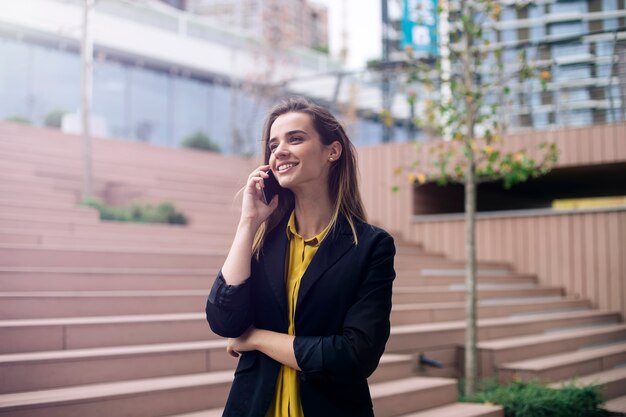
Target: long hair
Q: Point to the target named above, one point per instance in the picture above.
(343, 185)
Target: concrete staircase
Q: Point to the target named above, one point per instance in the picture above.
(104, 318)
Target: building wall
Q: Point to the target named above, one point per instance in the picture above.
(159, 74)
(576, 42)
(285, 23)
(582, 251)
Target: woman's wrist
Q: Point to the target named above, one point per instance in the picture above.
(256, 339)
(248, 225)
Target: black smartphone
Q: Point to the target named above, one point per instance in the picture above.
(271, 187)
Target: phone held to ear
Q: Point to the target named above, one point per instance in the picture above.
(271, 187)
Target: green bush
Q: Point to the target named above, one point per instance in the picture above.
(533, 399)
(18, 119)
(138, 213)
(201, 141)
(54, 118)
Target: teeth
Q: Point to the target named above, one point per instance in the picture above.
(284, 167)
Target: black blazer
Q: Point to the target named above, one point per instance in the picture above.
(341, 321)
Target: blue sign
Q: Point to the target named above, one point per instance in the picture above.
(419, 26)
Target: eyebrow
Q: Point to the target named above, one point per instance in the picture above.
(291, 132)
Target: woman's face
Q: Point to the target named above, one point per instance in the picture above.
(297, 155)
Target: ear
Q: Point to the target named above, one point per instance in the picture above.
(335, 149)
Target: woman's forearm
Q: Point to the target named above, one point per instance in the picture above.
(278, 346)
(237, 265)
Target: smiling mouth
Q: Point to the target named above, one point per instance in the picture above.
(285, 168)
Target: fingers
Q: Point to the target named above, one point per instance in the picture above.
(257, 182)
(232, 352)
(260, 172)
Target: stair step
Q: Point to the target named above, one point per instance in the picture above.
(37, 334)
(219, 242)
(495, 352)
(565, 365)
(451, 410)
(142, 397)
(612, 382)
(418, 337)
(72, 212)
(53, 369)
(460, 272)
(34, 304)
(72, 256)
(63, 181)
(394, 366)
(216, 412)
(436, 312)
(461, 410)
(189, 393)
(30, 335)
(111, 279)
(402, 396)
(416, 294)
(62, 202)
(412, 279)
(8, 237)
(37, 304)
(616, 405)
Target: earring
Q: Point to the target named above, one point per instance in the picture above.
(330, 159)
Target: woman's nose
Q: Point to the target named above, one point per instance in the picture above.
(281, 150)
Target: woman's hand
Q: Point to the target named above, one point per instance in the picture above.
(253, 208)
(243, 343)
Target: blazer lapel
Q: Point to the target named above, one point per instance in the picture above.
(332, 248)
(274, 254)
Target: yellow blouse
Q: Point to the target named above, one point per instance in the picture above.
(286, 402)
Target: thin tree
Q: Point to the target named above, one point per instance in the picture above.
(86, 48)
(468, 98)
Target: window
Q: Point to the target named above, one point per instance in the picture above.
(611, 23)
(191, 106)
(55, 81)
(568, 7)
(578, 117)
(571, 72)
(540, 120)
(604, 48)
(538, 30)
(149, 106)
(110, 97)
(567, 28)
(569, 49)
(15, 84)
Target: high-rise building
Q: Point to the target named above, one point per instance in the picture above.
(283, 23)
(581, 44)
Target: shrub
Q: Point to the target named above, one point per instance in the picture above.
(138, 213)
(201, 141)
(54, 118)
(533, 399)
(18, 119)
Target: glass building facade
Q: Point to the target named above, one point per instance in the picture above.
(137, 102)
(580, 44)
(576, 41)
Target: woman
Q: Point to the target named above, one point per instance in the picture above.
(305, 292)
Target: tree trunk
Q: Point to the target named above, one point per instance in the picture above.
(471, 377)
(85, 95)
(471, 111)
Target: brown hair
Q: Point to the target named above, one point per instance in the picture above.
(342, 177)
